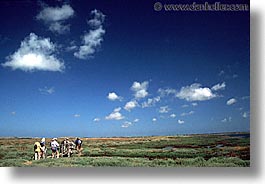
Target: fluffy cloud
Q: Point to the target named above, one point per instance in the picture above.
(154, 119)
(187, 113)
(150, 102)
(231, 101)
(46, 90)
(35, 53)
(218, 87)
(173, 115)
(77, 115)
(194, 104)
(164, 109)
(115, 115)
(181, 121)
(93, 39)
(245, 114)
(195, 92)
(140, 89)
(113, 96)
(136, 120)
(96, 119)
(55, 17)
(126, 124)
(130, 105)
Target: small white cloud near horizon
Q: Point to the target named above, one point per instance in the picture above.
(35, 53)
(55, 18)
(231, 101)
(46, 90)
(194, 104)
(154, 120)
(115, 115)
(96, 119)
(181, 121)
(136, 120)
(172, 115)
(130, 105)
(126, 124)
(92, 40)
(219, 87)
(164, 109)
(195, 92)
(113, 96)
(140, 89)
(77, 115)
(187, 113)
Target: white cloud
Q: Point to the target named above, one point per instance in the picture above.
(93, 39)
(181, 121)
(154, 119)
(140, 89)
(173, 115)
(130, 105)
(167, 91)
(164, 109)
(194, 104)
(35, 53)
(136, 120)
(115, 115)
(229, 119)
(77, 115)
(113, 96)
(46, 90)
(195, 92)
(245, 115)
(187, 113)
(13, 113)
(218, 87)
(150, 102)
(55, 17)
(231, 101)
(96, 119)
(126, 124)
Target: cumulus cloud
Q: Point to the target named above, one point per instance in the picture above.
(150, 102)
(113, 96)
(92, 40)
(140, 89)
(164, 109)
(172, 115)
(55, 18)
(218, 87)
(184, 106)
(96, 119)
(136, 120)
(181, 121)
(195, 92)
(231, 101)
(187, 113)
(130, 105)
(194, 104)
(154, 119)
(35, 53)
(47, 90)
(115, 115)
(126, 124)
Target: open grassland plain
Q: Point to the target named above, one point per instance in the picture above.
(204, 150)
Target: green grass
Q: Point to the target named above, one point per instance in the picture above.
(189, 151)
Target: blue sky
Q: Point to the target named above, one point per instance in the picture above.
(105, 68)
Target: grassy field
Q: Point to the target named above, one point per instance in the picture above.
(206, 150)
